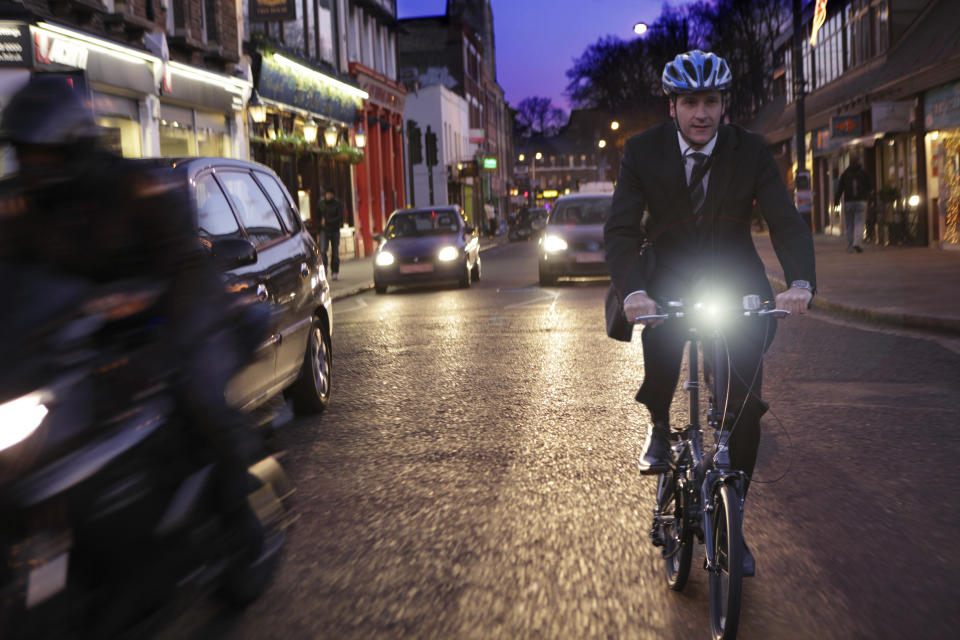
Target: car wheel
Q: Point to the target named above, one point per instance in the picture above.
(465, 279)
(476, 270)
(311, 392)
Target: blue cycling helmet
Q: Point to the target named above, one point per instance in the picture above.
(696, 71)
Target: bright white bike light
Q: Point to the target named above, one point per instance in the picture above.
(447, 254)
(385, 259)
(553, 244)
(20, 417)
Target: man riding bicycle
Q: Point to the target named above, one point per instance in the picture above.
(689, 187)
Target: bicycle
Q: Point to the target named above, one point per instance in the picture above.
(694, 500)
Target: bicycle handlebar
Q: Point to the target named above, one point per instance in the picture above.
(677, 312)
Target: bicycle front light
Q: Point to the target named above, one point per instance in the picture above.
(384, 259)
(552, 244)
(448, 254)
(20, 417)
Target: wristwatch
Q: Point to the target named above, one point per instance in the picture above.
(802, 284)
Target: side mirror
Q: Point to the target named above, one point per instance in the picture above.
(378, 237)
(231, 253)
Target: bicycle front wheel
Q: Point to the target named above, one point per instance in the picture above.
(726, 577)
(677, 539)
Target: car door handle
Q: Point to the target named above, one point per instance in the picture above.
(304, 270)
(262, 292)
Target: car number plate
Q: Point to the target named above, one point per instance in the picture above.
(424, 267)
(47, 579)
(593, 256)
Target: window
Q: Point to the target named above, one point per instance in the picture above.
(291, 219)
(252, 206)
(214, 217)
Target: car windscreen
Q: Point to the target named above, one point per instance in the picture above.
(422, 223)
(593, 211)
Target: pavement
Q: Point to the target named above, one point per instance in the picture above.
(911, 287)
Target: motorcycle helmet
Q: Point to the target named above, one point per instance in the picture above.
(49, 112)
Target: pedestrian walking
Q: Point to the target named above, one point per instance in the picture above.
(696, 179)
(856, 189)
(331, 214)
(491, 218)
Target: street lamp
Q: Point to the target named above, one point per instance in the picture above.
(330, 135)
(256, 109)
(640, 28)
(602, 143)
(360, 137)
(522, 158)
(614, 125)
(310, 130)
(539, 156)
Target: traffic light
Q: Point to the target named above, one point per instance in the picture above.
(430, 142)
(414, 148)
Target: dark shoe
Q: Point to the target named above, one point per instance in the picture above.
(656, 450)
(749, 563)
(858, 249)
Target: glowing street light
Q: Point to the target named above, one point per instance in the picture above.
(602, 143)
(539, 156)
(522, 157)
(310, 130)
(640, 28)
(330, 135)
(614, 125)
(360, 137)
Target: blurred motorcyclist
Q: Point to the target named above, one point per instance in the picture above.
(87, 212)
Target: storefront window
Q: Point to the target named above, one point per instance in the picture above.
(899, 213)
(177, 140)
(122, 136)
(213, 144)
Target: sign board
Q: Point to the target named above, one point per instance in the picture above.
(941, 107)
(273, 10)
(489, 163)
(14, 45)
(549, 193)
(846, 126)
(888, 117)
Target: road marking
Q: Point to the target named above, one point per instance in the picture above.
(553, 296)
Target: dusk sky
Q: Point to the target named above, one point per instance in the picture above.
(537, 40)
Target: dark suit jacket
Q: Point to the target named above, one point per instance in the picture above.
(719, 254)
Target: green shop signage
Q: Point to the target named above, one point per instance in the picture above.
(292, 83)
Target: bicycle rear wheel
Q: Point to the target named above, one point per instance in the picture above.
(677, 538)
(726, 578)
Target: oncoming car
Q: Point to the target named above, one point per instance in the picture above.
(426, 245)
(572, 242)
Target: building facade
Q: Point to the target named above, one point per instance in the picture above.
(164, 80)
(883, 83)
(451, 51)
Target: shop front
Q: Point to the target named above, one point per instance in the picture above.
(942, 149)
(147, 106)
(380, 177)
(302, 128)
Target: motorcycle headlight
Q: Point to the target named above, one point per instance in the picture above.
(554, 243)
(20, 417)
(447, 254)
(384, 259)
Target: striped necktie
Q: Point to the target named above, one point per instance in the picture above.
(697, 192)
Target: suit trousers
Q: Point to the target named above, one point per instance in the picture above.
(331, 237)
(663, 349)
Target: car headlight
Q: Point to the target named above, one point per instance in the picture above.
(554, 243)
(20, 417)
(385, 259)
(447, 254)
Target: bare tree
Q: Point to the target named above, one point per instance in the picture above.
(537, 116)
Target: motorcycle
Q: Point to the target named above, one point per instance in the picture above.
(110, 501)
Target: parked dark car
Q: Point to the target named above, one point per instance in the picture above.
(251, 225)
(427, 245)
(572, 241)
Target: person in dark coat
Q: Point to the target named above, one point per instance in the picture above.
(697, 180)
(856, 189)
(331, 214)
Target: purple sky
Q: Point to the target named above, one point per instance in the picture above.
(537, 40)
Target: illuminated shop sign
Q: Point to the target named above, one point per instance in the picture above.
(14, 45)
(847, 126)
(489, 163)
(272, 10)
(50, 49)
(287, 81)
